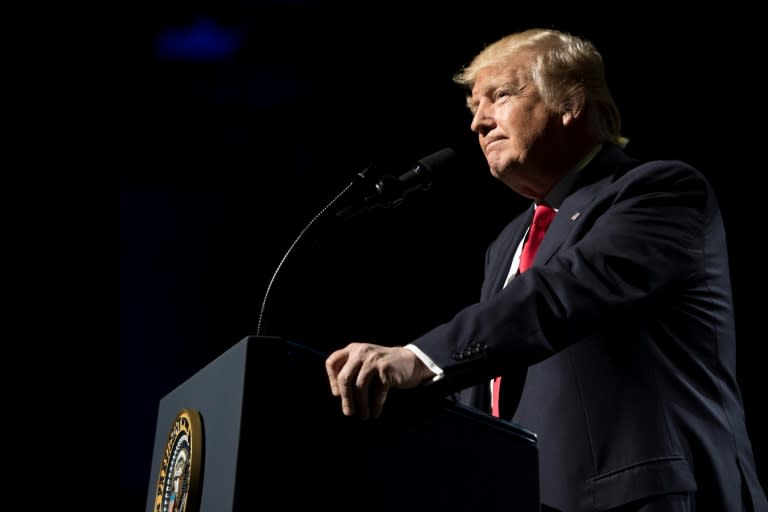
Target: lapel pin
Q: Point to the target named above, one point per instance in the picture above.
(575, 215)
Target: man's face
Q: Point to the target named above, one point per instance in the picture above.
(515, 129)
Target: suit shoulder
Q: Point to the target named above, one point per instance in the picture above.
(670, 172)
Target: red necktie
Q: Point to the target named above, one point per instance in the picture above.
(542, 218)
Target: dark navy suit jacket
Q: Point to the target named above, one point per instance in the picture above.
(618, 346)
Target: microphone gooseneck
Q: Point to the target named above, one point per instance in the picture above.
(293, 244)
(388, 191)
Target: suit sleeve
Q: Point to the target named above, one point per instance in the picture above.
(635, 241)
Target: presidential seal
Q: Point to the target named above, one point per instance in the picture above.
(178, 486)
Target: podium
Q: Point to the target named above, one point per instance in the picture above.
(258, 429)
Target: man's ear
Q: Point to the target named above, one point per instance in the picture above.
(573, 107)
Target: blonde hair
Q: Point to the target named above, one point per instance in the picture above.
(565, 69)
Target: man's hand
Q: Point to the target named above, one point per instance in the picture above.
(362, 375)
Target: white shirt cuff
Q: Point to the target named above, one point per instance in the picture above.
(427, 361)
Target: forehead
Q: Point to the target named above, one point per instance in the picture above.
(512, 72)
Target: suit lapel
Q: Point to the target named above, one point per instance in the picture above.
(568, 217)
(603, 170)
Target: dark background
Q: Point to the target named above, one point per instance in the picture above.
(241, 121)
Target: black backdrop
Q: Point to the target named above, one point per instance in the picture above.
(244, 119)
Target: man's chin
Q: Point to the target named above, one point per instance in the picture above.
(494, 163)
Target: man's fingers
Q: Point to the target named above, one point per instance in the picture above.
(355, 374)
(347, 387)
(333, 365)
(362, 387)
(342, 370)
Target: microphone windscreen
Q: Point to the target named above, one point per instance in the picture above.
(442, 158)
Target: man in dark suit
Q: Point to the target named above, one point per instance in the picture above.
(617, 346)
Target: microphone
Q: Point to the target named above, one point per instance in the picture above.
(389, 191)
